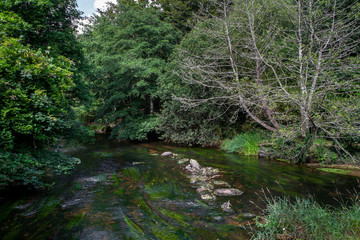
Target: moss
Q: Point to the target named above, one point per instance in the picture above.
(335, 170)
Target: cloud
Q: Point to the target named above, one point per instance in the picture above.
(101, 4)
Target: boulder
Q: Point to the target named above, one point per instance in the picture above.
(195, 164)
(167, 154)
(227, 192)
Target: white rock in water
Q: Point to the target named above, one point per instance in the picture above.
(167, 154)
(226, 207)
(194, 164)
(228, 192)
(207, 197)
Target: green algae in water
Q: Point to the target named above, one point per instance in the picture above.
(116, 180)
(132, 172)
(283, 160)
(335, 170)
(75, 221)
(119, 191)
(103, 154)
(158, 227)
(178, 218)
(135, 230)
(14, 233)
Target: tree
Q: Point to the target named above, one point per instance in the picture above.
(129, 45)
(251, 61)
(36, 94)
(50, 23)
(206, 123)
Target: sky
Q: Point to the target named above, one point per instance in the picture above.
(89, 6)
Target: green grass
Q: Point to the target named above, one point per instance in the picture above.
(245, 143)
(306, 219)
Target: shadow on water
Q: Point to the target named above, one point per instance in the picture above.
(128, 191)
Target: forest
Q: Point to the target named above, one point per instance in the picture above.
(275, 79)
(270, 78)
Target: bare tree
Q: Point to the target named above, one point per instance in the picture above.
(289, 65)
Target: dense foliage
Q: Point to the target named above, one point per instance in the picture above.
(129, 47)
(36, 88)
(184, 71)
(290, 67)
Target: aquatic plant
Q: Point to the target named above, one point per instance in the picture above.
(307, 219)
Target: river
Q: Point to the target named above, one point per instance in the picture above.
(128, 191)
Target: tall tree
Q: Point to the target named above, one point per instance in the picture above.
(35, 95)
(129, 45)
(251, 61)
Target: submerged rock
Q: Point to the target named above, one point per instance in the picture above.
(221, 183)
(227, 192)
(91, 234)
(198, 179)
(24, 206)
(167, 154)
(226, 207)
(203, 190)
(208, 197)
(218, 218)
(138, 163)
(247, 215)
(183, 160)
(209, 171)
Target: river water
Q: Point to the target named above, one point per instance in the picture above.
(128, 191)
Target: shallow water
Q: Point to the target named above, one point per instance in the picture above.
(128, 191)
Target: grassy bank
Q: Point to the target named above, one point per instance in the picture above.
(306, 219)
(314, 151)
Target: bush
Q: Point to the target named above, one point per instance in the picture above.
(245, 143)
(306, 219)
(322, 151)
(31, 167)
